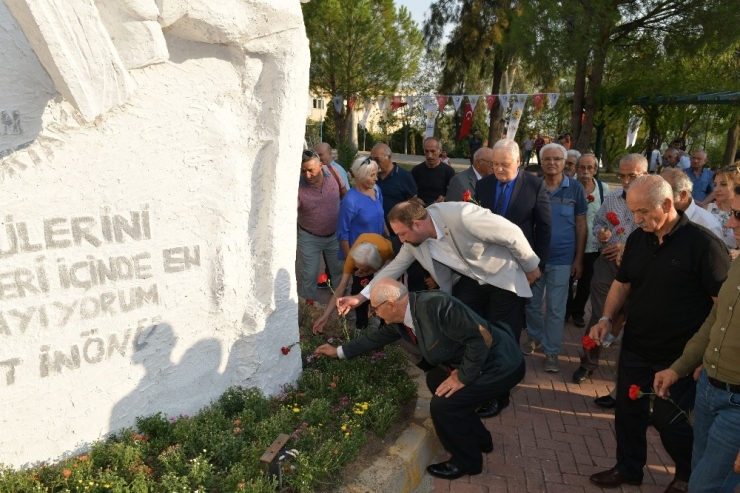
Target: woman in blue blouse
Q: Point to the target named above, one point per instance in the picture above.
(361, 211)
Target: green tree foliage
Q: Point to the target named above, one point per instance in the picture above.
(359, 48)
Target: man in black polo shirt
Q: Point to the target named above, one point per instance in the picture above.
(670, 275)
(396, 183)
(432, 176)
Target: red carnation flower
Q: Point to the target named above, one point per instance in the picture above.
(285, 350)
(612, 218)
(466, 196)
(323, 278)
(364, 282)
(620, 231)
(588, 343)
(590, 198)
(635, 392)
(309, 301)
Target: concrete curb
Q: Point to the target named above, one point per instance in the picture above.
(403, 470)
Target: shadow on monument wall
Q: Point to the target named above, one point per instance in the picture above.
(189, 385)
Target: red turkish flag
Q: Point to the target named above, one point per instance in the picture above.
(490, 99)
(351, 102)
(396, 103)
(467, 121)
(441, 101)
(538, 98)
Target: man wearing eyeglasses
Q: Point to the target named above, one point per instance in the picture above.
(611, 227)
(473, 360)
(324, 152)
(466, 181)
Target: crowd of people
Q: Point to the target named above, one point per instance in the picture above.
(458, 266)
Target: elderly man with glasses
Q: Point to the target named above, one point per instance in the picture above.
(465, 182)
(473, 360)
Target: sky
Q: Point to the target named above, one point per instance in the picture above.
(417, 8)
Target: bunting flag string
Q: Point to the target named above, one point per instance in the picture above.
(504, 98)
(553, 98)
(338, 101)
(538, 98)
(368, 107)
(397, 103)
(441, 101)
(351, 103)
(517, 110)
(473, 101)
(490, 99)
(522, 98)
(456, 100)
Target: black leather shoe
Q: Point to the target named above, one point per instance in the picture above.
(677, 486)
(581, 374)
(486, 449)
(578, 321)
(607, 402)
(448, 470)
(493, 408)
(612, 478)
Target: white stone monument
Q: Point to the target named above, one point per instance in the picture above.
(148, 162)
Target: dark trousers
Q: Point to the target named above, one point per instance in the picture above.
(492, 303)
(360, 310)
(458, 427)
(604, 272)
(577, 298)
(632, 418)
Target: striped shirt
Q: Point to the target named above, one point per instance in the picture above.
(614, 202)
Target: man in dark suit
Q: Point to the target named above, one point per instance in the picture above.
(473, 361)
(522, 199)
(466, 181)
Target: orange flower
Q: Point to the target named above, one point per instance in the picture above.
(66, 473)
(333, 385)
(237, 422)
(83, 458)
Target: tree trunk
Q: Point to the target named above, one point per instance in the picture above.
(583, 144)
(496, 123)
(733, 134)
(340, 125)
(579, 91)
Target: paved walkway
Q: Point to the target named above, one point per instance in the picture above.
(553, 437)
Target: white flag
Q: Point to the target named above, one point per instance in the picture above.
(522, 98)
(456, 100)
(553, 98)
(632, 129)
(368, 107)
(473, 101)
(410, 100)
(516, 114)
(382, 103)
(426, 100)
(431, 111)
(504, 98)
(338, 101)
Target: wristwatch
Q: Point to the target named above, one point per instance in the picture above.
(608, 319)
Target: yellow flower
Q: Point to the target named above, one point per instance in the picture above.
(365, 405)
(346, 434)
(357, 411)
(344, 428)
(296, 409)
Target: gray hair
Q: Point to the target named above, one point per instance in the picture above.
(656, 189)
(385, 148)
(637, 159)
(510, 146)
(588, 154)
(363, 167)
(366, 254)
(574, 153)
(555, 145)
(387, 289)
(439, 142)
(678, 180)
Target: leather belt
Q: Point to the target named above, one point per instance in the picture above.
(320, 236)
(728, 387)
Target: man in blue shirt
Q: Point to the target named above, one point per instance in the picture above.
(324, 152)
(565, 260)
(396, 183)
(703, 192)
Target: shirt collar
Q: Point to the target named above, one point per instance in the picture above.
(440, 233)
(477, 175)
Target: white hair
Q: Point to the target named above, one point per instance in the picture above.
(656, 189)
(575, 154)
(510, 146)
(638, 160)
(363, 167)
(678, 180)
(366, 254)
(387, 289)
(554, 145)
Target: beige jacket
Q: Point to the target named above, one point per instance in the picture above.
(493, 247)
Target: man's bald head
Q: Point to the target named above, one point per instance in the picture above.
(483, 161)
(324, 152)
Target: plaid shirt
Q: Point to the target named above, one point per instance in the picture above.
(614, 202)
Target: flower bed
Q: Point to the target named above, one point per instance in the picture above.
(328, 414)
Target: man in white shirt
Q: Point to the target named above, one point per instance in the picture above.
(682, 187)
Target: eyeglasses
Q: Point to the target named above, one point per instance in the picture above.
(374, 309)
(551, 159)
(308, 154)
(587, 168)
(735, 213)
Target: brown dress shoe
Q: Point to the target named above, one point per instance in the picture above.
(612, 478)
(677, 486)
